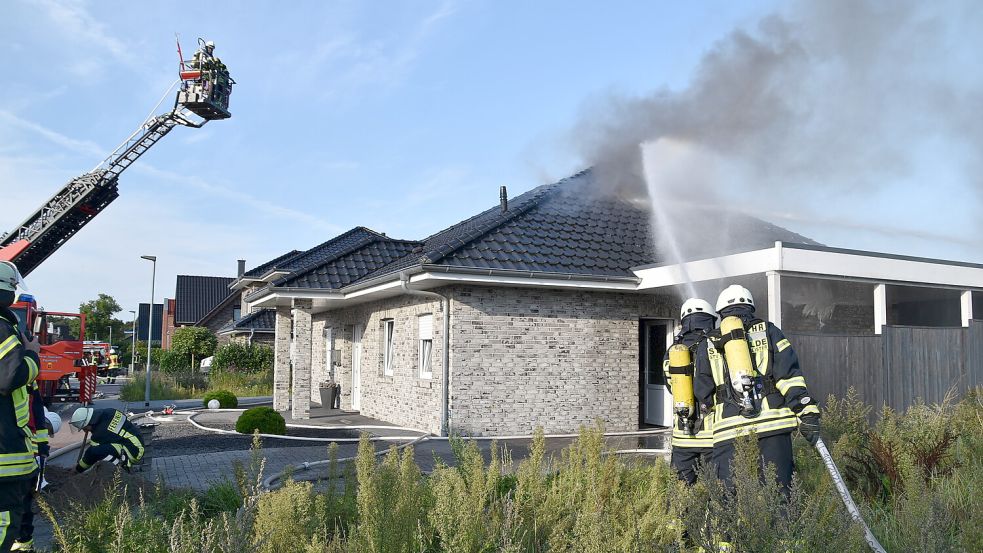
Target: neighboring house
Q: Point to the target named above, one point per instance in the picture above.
(144, 320)
(554, 310)
(167, 334)
(204, 301)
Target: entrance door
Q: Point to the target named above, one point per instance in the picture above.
(357, 367)
(656, 401)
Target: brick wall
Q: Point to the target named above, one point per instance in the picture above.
(524, 358)
(520, 358)
(404, 398)
(220, 318)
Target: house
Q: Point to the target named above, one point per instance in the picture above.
(201, 301)
(554, 310)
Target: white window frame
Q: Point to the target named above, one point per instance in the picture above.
(329, 352)
(388, 346)
(425, 351)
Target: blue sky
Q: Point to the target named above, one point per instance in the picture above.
(401, 116)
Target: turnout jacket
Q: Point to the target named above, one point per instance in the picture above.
(110, 426)
(782, 386)
(18, 370)
(702, 440)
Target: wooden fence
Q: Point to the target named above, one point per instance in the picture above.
(896, 368)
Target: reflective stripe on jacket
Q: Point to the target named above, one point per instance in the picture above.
(110, 426)
(703, 438)
(776, 363)
(18, 369)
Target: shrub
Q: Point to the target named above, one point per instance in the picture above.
(263, 419)
(236, 357)
(226, 399)
(169, 361)
(193, 343)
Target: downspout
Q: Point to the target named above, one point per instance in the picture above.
(404, 281)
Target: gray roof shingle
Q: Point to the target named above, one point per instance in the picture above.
(196, 296)
(262, 320)
(564, 228)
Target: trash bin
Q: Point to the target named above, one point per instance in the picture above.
(329, 395)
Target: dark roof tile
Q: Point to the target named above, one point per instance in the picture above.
(196, 296)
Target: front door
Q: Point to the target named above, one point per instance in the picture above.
(656, 402)
(357, 367)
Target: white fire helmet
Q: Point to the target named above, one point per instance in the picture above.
(81, 417)
(10, 277)
(695, 305)
(734, 294)
(54, 419)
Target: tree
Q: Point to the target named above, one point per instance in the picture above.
(99, 318)
(196, 342)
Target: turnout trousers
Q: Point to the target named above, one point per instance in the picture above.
(685, 462)
(12, 496)
(775, 450)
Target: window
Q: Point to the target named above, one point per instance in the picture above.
(236, 313)
(426, 345)
(329, 357)
(388, 329)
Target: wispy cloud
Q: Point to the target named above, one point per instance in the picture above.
(74, 21)
(259, 205)
(350, 64)
(78, 146)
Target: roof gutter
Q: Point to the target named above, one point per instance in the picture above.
(404, 282)
(529, 274)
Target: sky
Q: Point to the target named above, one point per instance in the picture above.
(402, 116)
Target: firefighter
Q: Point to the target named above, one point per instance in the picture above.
(18, 368)
(112, 437)
(113, 365)
(692, 439)
(748, 373)
(44, 423)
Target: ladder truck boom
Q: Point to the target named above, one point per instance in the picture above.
(203, 97)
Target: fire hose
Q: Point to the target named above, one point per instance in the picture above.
(846, 497)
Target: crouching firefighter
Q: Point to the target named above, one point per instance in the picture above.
(112, 438)
(749, 374)
(692, 433)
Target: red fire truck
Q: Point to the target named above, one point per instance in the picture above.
(62, 361)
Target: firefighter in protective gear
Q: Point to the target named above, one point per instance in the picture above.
(19, 365)
(44, 423)
(775, 387)
(692, 438)
(112, 437)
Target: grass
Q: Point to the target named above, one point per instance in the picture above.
(165, 386)
(583, 500)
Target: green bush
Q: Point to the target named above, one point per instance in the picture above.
(263, 419)
(236, 357)
(226, 399)
(169, 361)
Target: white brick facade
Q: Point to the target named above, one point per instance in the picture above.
(521, 358)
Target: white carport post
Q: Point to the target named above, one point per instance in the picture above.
(880, 307)
(774, 297)
(966, 306)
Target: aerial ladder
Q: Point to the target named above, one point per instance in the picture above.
(205, 86)
(203, 96)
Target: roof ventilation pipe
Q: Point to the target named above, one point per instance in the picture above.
(404, 281)
(503, 198)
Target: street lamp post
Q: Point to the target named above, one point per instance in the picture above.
(133, 342)
(150, 325)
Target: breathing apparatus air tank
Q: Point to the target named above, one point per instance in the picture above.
(681, 379)
(743, 376)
